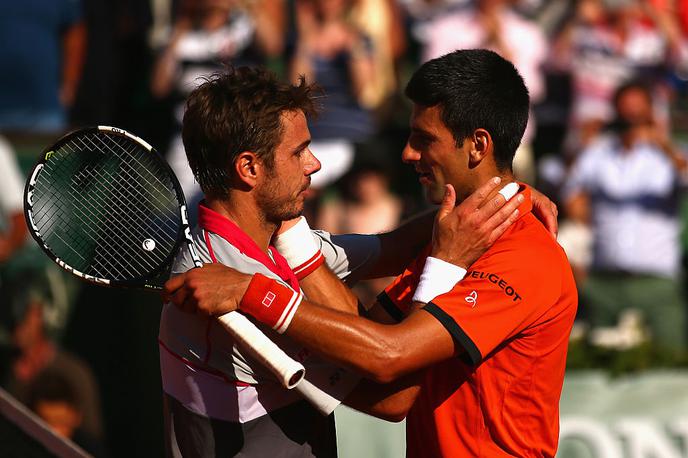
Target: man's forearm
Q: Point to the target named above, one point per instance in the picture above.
(324, 287)
(389, 401)
(413, 235)
(380, 352)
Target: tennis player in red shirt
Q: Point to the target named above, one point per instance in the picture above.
(469, 345)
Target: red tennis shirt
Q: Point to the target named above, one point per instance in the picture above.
(512, 314)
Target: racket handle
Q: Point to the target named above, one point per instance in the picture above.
(252, 340)
(322, 401)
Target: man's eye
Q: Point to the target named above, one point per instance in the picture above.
(419, 142)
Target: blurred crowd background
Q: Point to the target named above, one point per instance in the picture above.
(608, 130)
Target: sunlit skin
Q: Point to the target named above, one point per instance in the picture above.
(281, 190)
(265, 194)
(438, 160)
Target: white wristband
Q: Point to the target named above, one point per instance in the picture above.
(296, 244)
(438, 277)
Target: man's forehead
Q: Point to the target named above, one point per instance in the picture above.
(292, 115)
(294, 127)
(426, 119)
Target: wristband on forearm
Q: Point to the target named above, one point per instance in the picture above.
(271, 302)
(438, 277)
(299, 248)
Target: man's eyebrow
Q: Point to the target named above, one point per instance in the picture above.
(302, 145)
(419, 131)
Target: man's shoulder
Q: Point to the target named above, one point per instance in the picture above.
(528, 265)
(529, 250)
(213, 248)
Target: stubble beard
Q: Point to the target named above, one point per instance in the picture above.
(275, 208)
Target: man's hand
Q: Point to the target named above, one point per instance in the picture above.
(213, 289)
(545, 210)
(462, 234)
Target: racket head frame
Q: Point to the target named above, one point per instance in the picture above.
(150, 281)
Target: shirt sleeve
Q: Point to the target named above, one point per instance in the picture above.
(500, 297)
(350, 256)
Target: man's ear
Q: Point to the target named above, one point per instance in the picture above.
(246, 167)
(481, 147)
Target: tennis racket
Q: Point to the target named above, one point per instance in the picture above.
(106, 207)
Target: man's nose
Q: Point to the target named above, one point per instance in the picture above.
(409, 155)
(313, 164)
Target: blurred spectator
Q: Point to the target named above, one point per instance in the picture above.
(55, 400)
(207, 35)
(625, 185)
(42, 45)
(336, 53)
(365, 206)
(492, 24)
(12, 237)
(606, 44)
(424, 10)
(382, 22)
(35, 354)
(12, 226)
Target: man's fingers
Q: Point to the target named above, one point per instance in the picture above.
(477, 199)
(448, 202)
(551, 221)
(497, 201)
(504, 213)
(547, 213)
(172, 285)
(499, 230)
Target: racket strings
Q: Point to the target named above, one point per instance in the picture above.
(106, 199)
(120, 237)
(136, 198)
(138, 203)
(86, 214)
(170, 204)
(94, 214)
(113, 238)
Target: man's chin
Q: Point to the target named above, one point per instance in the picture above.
(434, 195)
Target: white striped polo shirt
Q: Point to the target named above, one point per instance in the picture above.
(208, 377)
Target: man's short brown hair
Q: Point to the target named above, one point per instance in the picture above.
(234, 111)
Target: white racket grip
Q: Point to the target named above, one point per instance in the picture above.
(256, 344)
(324, 402)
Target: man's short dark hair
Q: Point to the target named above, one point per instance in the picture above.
(475, 88)
(234, 111)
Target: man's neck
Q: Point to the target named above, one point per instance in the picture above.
(244, 213)
(506, 176)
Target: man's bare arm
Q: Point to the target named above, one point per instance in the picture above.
(379, 352)
(388, 401)
(324, 287)
(401, 246)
